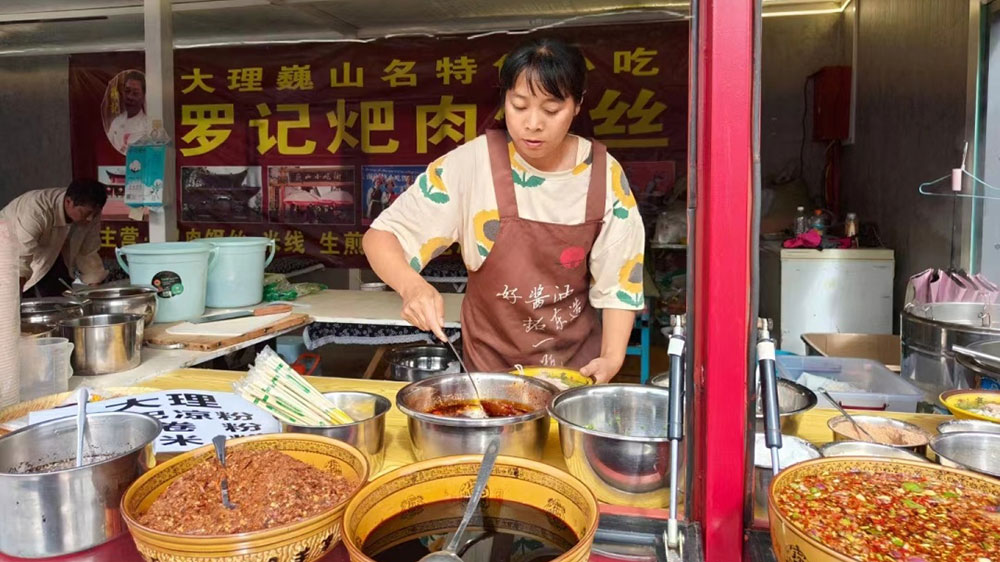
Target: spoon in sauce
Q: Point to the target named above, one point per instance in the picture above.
(447, 554)
(476, 409)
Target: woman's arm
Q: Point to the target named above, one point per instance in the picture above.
(617, 328)
(422, 303)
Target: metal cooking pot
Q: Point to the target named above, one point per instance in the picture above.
(50, 310)
(69, 510)
(978, 452)
(867, 449)
(438, 436)
(133, 299)
(104, 343)
(36, 330)
(419, 362)
(928, 332)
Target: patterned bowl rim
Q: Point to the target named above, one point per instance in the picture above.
(280, 532)
(850, 462)
(347, 537)
(947, 398)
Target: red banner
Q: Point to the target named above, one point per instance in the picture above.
(307, 143)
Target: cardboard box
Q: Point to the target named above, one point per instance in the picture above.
(884, 348)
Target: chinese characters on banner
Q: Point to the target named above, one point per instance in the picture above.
(188, 418)
(306, 144)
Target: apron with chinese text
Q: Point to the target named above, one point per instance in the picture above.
(528, 303)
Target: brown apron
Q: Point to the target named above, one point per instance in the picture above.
(528, 303)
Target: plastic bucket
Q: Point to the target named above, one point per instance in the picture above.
(179, 270)
(238, 276)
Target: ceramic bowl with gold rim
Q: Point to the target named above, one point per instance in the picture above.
(793, 543)
(969, 404)
(300, 541)
(531, 509)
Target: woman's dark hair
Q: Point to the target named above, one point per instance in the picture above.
(87, 193)
(557, 68)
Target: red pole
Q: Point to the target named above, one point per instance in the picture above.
(722, 271)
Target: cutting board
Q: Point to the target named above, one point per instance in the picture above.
(226, 328)
(157, 334)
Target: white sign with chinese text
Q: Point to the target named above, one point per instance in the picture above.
(189, 418)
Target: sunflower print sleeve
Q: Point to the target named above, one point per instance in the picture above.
(425, 218)
(616, 260)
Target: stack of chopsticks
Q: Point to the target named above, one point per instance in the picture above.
(274, 386)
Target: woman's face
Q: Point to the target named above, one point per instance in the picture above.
(538, 123)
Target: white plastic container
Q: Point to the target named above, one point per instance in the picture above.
(178, 270)
(876, 388)
(238, 276)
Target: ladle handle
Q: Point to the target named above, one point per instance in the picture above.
(489, 459)
(82, 396)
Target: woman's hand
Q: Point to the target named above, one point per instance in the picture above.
(424, 308)
(602, 369)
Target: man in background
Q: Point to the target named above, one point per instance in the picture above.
(132, 123)
(58, 232)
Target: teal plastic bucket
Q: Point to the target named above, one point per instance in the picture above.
(179, 270)
(238, 276)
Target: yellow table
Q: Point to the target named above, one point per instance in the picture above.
(397, 448)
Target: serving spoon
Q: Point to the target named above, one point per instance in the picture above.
(447, 554)
(857, 426)
(477, 411)
(220, 451)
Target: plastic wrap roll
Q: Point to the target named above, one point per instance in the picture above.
(10, 318)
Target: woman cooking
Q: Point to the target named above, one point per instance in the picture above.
(547, 224)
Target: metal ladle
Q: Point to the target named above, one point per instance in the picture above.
(447, 554)
(477, 411)
(82, 396)
(857, 426)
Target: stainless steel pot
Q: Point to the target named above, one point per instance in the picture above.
(437, 436)
(838, 424)
(614, 438)
(793, 400)
(104, 343)
(975, 374)
(866, 449)
(978, 426)
(37, 330)
(419, 362)
(133, 299)
(928, 333)
(69, 510)
(978, 452)
(367, 433)
(50, 310)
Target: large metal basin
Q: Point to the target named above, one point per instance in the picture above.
(438, 436)
(928, 333)
(614, 439)
(50, 310)
(74, 509)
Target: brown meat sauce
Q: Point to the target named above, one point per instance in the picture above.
(493, 408)
(269, 488)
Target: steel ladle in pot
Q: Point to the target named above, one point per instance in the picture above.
(448, 553)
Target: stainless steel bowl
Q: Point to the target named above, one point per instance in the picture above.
(978, 426)
(614, 439)
(921, 448)
(978, 452)
(793, 451)
(866, 449)
(793, 400)
(419, 362)
(50, 310)
(69, 510)
(133, 299)
(104, 343)
(367, 433)
(437, 436)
